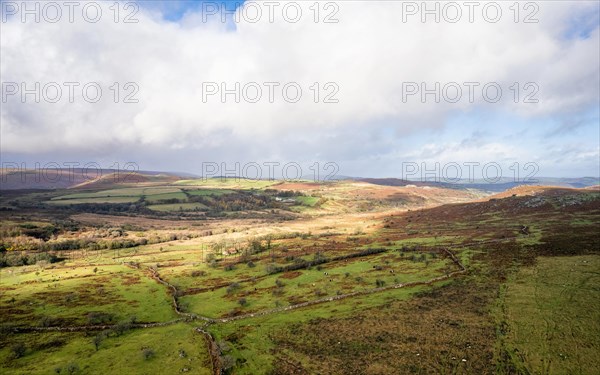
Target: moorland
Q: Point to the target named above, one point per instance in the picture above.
(159, 274)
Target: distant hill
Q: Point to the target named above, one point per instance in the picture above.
(502, 185)
(78, 178)
(107, 178)
(401, 182)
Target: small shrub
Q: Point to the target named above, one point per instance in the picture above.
(229, 267)
(70, 298)
(46, 321)
(72, 368)
(148, 353)
(242, 301)
(121, 328)
(96, 317)
(97, 340)
(232, 288)
(18, 350)
(272, 269)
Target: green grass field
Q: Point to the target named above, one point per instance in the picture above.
(521, 305)
(175, 348)
(124, 192)
(47, 296)
(553, 316)
(99, 200)
(340, 277)
(158, 197)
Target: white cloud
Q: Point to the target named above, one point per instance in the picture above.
(368, 54)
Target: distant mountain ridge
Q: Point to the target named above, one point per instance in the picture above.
(78, 178)
(502, 185)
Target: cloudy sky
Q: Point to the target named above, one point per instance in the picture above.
(368, 85)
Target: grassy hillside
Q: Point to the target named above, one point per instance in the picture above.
(372, 279)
